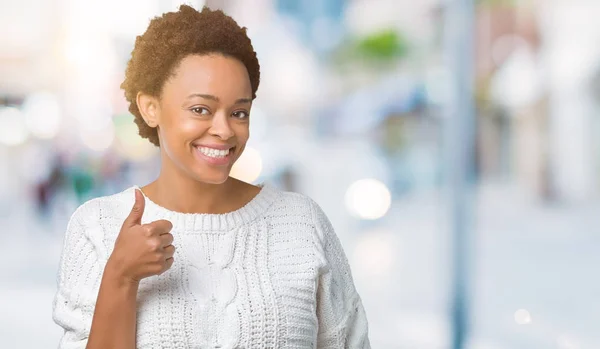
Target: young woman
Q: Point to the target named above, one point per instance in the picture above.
(197, 259)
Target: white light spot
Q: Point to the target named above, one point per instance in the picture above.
(368, 199)
(13, 131)
(522, 317)
(42, 115)
(519, 82)
(290, 78)
(248, 167)
(98, 139)
(504, 46)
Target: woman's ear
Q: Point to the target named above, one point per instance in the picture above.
(149, 108)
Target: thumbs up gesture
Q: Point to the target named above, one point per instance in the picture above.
(142, 250)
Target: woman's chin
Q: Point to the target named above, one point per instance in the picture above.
(212, 178)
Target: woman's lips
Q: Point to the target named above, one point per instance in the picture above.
(220, 161)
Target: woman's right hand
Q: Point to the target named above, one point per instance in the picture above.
(142, 250)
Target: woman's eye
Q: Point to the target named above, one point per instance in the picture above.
(241, 114)
(199, 110)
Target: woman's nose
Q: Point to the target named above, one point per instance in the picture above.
(220, 126)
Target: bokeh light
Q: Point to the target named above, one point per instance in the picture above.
(522, 317)
(99, 139)
(249, 166)
(13, 131)
(42, 114)
(368, 199)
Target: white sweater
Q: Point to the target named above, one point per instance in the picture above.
(271, 274)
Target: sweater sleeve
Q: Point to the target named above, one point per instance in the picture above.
(340, 313)
(79, 274)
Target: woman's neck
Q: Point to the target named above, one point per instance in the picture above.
(192, 196)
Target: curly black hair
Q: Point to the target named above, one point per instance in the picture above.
(173, 36)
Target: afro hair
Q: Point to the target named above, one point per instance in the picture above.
(173, 36)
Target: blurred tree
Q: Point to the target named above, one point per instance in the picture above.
(376, 49)
(384, 45)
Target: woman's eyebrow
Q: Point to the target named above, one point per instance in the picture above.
(243, 101)
(216, 99)
(202, 95)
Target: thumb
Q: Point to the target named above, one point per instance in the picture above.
(137, 211)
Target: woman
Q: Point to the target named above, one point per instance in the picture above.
(197, 259)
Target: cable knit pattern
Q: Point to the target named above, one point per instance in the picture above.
(272, 274)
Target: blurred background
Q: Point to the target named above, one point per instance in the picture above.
(437, 194)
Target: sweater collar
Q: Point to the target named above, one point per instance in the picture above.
(205, 222)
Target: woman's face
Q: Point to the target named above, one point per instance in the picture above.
(203, 116)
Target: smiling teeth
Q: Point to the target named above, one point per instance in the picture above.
(213, 153)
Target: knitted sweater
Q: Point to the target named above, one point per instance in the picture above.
(271, 274)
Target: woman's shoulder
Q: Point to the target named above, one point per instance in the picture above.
(297, 205)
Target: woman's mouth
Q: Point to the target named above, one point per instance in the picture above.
(214, 156)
